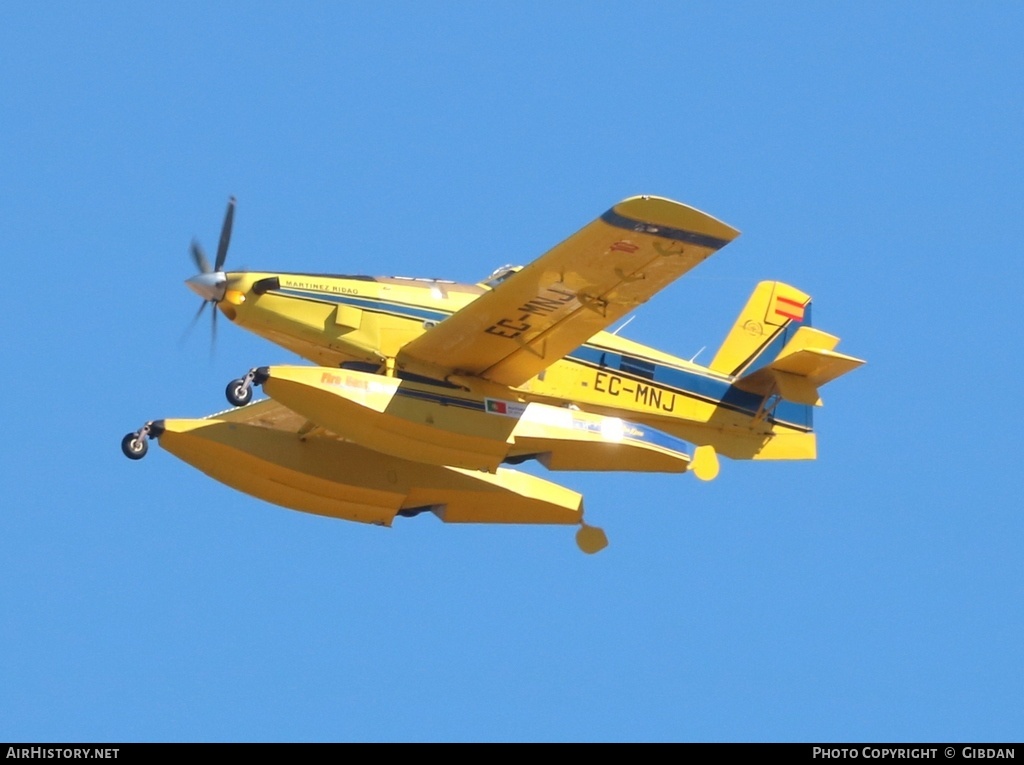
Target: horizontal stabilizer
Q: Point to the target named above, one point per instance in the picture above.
(818, 366)
(807, 362)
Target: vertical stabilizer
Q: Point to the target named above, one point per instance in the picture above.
(769, 319)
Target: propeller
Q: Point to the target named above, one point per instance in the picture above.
(211, 282)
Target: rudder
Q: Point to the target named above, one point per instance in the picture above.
(767, 322)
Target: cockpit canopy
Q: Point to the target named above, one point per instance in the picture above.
(500, 275)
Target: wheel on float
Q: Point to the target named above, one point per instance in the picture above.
(134, 447)
(238, 393)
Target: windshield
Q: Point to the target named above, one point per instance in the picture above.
(500, 275)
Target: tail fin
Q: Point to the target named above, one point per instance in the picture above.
(767, 322)
(773, 349)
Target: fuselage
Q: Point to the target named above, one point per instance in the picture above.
(362, 323)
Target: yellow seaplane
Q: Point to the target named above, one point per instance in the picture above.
(422, 392)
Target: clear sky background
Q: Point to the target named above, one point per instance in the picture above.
(871, 155)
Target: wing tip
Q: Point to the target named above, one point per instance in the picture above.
(662, 211)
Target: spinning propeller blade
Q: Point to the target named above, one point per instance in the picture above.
(210, 283)
(225, 235)
(199, 258)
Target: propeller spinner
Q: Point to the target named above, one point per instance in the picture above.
(211, 282)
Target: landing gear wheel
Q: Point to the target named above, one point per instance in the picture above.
(134, 446)
(239, 392)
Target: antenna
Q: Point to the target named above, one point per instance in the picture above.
(624, 325)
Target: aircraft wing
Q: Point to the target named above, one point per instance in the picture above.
(562, 299)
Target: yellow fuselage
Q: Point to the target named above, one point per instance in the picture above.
(363, 322)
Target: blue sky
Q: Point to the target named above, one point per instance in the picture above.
(869, 152)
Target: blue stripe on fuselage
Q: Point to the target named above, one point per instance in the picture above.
(714, 390)
(710, 388)
(368, 304)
